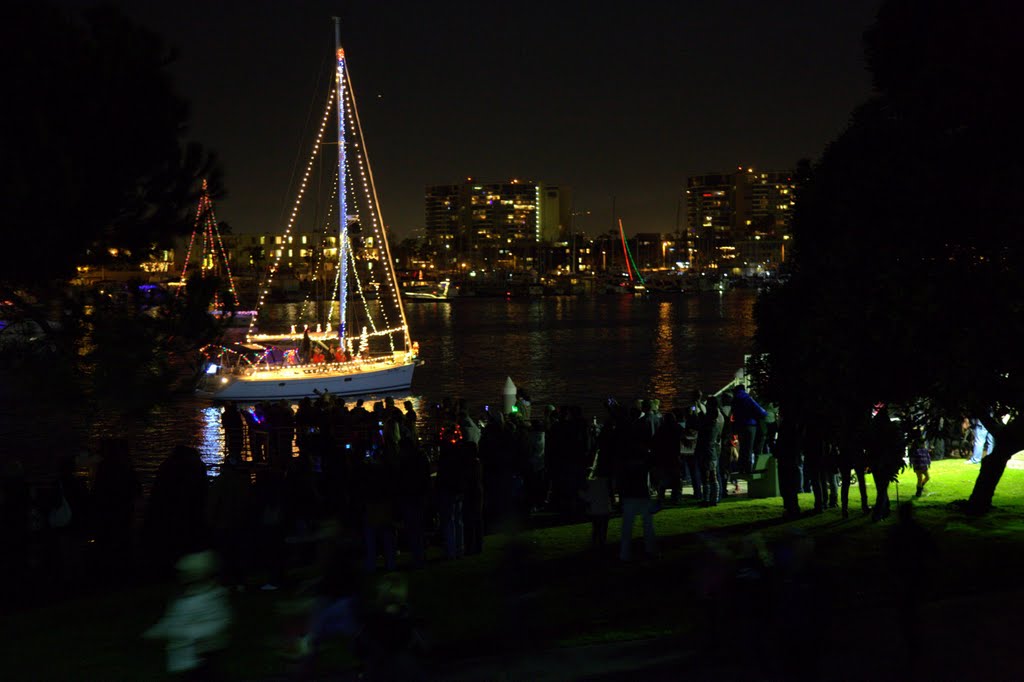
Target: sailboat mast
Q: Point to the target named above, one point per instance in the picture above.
(342, 212)
(625, 250)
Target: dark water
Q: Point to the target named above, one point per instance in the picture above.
(561, 350)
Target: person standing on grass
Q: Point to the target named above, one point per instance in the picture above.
(693, 466)
(920, 461)
(710, 423)
(597, 494)
(449, 487)
(665, 447)
(413, 493)
(635, 492)
(885, 457)
(472, 499)
(746, 416)
(788, 452)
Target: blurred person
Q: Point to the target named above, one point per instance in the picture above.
(376, 480)
(413, 496)
(472, 499)
(337, 606)
(116, 490)
(268, 521)
(390, 644)
(176, 514)
(227, 512)
(470, 427)
(195, 625)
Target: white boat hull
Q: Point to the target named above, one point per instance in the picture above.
(442, 292)
(421, 296)
(295, 383)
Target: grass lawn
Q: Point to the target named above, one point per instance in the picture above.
(546, 582)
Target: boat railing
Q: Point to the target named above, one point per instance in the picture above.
(356, 365)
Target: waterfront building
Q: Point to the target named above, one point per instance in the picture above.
(724, 210)
(251, 253)
(476, 224)
(159, 267)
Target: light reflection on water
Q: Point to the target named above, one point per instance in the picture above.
(562, 351)
(211, 438)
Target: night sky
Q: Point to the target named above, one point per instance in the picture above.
(616, 100)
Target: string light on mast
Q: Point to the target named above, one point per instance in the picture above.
(265, 288)
(213, 256)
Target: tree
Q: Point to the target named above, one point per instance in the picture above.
(907, 286)
(97, 171)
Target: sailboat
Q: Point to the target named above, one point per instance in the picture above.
(211, 258)
(367, 348)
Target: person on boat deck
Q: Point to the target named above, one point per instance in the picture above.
(305, 347)
(339, 354)
(318, 356)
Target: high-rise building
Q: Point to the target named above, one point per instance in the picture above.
(710, 217)
(494, 224)
(726, 209)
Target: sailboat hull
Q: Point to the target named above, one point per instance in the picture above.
(309, 381)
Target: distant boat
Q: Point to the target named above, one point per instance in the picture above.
(439, 291)
(367, 349)
(211, 258)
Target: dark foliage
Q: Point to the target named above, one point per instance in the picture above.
(908, 286)
(97, 171)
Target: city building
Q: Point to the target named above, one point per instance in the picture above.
(251, 253)
(724, 210)
(493, 224)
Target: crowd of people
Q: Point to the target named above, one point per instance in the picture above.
(391, 483)
(287, 470)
